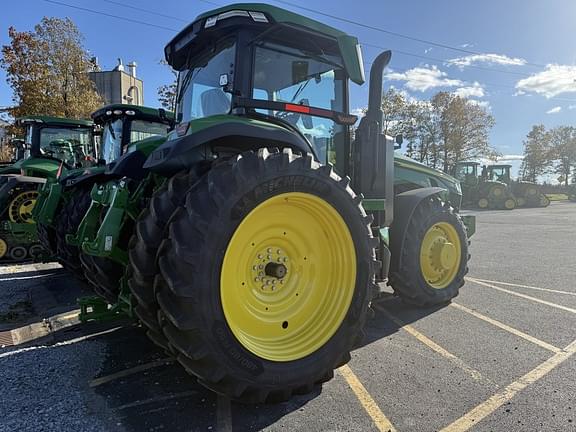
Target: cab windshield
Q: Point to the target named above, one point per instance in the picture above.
(292, 75)
(499, 174)
(75, 147)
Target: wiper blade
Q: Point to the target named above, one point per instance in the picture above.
(111, 130)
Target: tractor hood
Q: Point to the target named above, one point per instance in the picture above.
(444, 180)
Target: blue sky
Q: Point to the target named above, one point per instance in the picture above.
(525, 49)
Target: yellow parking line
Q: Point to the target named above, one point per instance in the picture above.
(477, 376)
(524, 296)
(526, 286)
(509, 329)
(373, 410)
(486, 408)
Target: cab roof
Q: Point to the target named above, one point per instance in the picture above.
(264, 16)
(54, 121)
(110, 111)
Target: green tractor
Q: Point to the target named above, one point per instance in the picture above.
(52, 146)
(252, 242)
(63, 201)
(481, 191)
(527, 194)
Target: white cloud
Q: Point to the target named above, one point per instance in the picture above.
(424, 78)
(555, 80)
(483, 104)
(510, 157)
(358, 111)
(475, 90)
(571, 107)
(498, 59)
(466, 45)
(554, 110)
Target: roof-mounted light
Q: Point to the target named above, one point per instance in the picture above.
(118, 112)
(256, 16)
(130, 112)
(108, 113)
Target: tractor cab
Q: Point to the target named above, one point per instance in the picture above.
(63, 140)
(467, 173)
(267, 76)
(500, 173)
(124, 124)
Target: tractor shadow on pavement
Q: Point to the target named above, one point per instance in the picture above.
(145, 394)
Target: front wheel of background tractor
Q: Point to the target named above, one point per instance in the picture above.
(544, 201)
(434, 257)
(266, 276)
(68, 220)
(510, 204)
(483, 203)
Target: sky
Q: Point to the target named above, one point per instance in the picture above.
(516, 57)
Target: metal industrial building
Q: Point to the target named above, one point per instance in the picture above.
(119, 86)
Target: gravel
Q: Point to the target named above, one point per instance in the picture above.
(47, 389)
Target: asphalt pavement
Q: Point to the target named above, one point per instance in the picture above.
(500, 357)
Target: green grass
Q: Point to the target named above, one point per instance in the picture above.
(557, 197)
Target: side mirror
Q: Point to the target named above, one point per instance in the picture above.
(398, 140)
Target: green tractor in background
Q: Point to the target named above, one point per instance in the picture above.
(252, 242)
(63, 201)
(527, 194)
(52, 146)
(480, 191)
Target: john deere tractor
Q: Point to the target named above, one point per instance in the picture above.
(63, 201)
(52, 146)
(253, 241)
(481, 191)
(527, 194)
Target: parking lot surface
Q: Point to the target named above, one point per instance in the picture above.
(500, 357)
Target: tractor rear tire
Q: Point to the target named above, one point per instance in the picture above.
(104, 275)
(434, 258)
(143, 250)
(286, 214)
(69, 218)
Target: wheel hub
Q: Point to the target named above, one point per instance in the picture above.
(440, 255)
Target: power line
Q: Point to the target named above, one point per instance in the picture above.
(392, 33)
(146, 11)
(110, 15)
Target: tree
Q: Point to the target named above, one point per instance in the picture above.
(48, 71)
(464, 128)
(537, 154)
(167, 92)
(563, 143)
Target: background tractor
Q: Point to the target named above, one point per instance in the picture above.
(480, 190)
(253, 240)
(63, 201)
(52, 146)
(527, 194)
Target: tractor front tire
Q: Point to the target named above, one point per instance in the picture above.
(266, 276)
(434, 257)
(69, 218)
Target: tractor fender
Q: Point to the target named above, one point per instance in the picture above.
(229, 136)
(404, 206)
(11, 181)
(83, 179)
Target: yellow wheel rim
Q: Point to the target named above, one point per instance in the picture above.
(483, 203)
(509, 204)
(20, 208)
(3, 248)
(288, 277)
(497, 191)
(440, 255)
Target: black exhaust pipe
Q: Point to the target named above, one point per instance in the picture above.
(374, 153)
